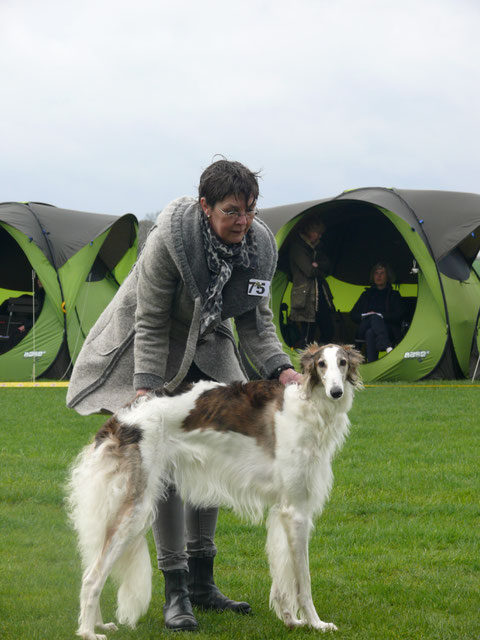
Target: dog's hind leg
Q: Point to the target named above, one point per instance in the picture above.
(297, 527)
(283, 598)
(90, 612)
(93, 581)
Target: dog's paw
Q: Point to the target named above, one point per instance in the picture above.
(107, 626)
(325, 626)
(88, 635)
(292, 622)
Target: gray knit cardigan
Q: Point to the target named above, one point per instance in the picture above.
(148, 336)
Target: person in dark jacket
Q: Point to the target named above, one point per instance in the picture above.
(23, 317)
(311, 300)
(379, 312)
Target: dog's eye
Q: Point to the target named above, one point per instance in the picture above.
(321, 364)
(343, 362)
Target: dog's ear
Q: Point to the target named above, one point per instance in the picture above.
(355, 359)
(307, 358)
(309, 370)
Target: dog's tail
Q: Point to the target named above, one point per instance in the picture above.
(94, 496)
(133, 572)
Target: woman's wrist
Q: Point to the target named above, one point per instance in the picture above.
(276, 372)
(286, 374)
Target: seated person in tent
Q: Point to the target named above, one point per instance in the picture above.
(4, 327)
(28, 315)
(379, 312)
(311, 299)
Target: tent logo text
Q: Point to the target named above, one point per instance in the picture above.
(419, 355)
(34, 354)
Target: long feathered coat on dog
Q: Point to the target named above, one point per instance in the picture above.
(167, 285)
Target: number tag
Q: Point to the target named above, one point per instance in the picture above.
(259, 288)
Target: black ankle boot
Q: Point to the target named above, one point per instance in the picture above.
(177, 612)
(203, 591)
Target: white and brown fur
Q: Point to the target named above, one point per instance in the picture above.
(246, 446)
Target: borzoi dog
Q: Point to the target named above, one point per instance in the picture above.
(246, 446)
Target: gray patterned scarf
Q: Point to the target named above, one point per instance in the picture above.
(221, 258)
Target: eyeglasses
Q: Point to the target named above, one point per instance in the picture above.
(251, 213)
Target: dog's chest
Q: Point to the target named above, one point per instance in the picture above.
(306, 442)
(305, 472)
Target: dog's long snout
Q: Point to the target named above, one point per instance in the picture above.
(336, 392)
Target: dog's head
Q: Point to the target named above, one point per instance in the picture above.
(331, 366)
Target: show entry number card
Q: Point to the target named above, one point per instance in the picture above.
(259, 288)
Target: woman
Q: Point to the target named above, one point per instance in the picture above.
(379, 313)
(205, 262)
(311, 299)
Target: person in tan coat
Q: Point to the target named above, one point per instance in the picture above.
(311, 299)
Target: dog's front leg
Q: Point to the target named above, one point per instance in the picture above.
(297, 527)
(283, 597)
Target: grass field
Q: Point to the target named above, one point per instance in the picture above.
(396, 554)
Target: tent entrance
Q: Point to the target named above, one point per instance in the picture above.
(21, 300)
(357, 236)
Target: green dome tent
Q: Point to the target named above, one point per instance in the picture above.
(80, 260)
(430, 239)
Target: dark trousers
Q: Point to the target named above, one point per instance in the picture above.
(376, 333)
(181, 531)
(323, 322)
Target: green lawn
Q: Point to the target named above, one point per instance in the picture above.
(396, 554)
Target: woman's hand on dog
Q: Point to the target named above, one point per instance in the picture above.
(290, 376)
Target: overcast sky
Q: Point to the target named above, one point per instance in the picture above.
(113, 106)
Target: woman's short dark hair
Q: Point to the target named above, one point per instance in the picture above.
(225, 178)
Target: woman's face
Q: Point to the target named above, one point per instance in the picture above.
(380, 278)
(230, 228)
(314, 235)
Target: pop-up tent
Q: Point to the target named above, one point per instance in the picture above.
(80, 260)
(429, 238)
